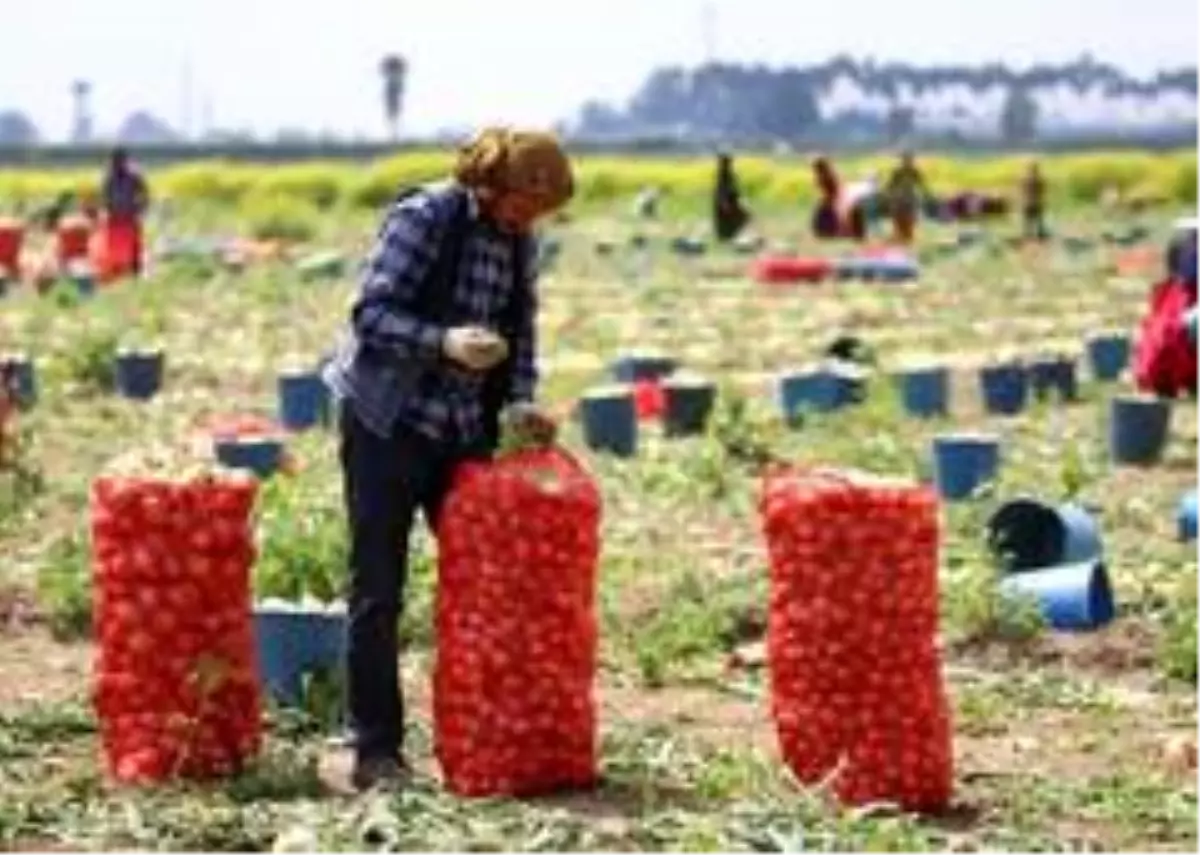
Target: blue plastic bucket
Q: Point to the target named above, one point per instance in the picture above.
(924, 392)
(970, 237)
(748, 244)
(609, 419)
(291, 643)
(1070, 597)
(1185, 517)
(1054, 376)
(815, 390)
(853, 268)
(84, 283)
(1108, 356)
(1005, 388)
(19, 370)
(896, 270)
(632, 367)
(689, 403)
(261, 455)
(303, 400)
(1026, 534)
(962, 463)
(688, 246)
(139, 373)
(1138, 427)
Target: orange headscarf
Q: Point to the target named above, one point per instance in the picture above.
(532, 163)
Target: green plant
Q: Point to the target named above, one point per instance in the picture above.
(21, 478)
(303, 550)
(276, 217)
(1177, 651)
(90, 361)
(64, 587)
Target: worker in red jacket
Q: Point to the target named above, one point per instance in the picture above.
(1167, 358)
(126, 197)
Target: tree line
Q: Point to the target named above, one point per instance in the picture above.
(737, 101)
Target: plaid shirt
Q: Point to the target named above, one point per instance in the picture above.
(390, 367)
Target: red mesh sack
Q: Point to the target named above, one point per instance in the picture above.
(518, 546)
(855, 675)
(175, 683)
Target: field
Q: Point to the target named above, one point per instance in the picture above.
(1061, 741)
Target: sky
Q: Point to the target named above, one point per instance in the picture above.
(266, 64)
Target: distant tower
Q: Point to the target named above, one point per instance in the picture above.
(394, 70)
(81, 94)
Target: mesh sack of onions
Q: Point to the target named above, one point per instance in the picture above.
(855, 674)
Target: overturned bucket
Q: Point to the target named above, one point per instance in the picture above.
(1070, 597)
(1026, 534)
(1185, 517)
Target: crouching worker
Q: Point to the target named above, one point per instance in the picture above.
(1167, 359)
(838, 214)
(440, 347)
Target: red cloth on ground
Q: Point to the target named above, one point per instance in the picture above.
(1164, 358)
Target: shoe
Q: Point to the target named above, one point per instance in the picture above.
(380, 773)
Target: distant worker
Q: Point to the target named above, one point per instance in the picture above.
(126, 197)
(729, 215)
(645, 205)
(1033, 198)
(906, 191)
(839, 214)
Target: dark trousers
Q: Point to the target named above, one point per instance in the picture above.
(386, 481)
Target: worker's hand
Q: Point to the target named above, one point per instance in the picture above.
(530, 424)
(474, 348)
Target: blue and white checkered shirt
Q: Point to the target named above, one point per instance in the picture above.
(390, 366)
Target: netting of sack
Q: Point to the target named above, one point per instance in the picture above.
(518, 548)
(175, 685)
(855, 674)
